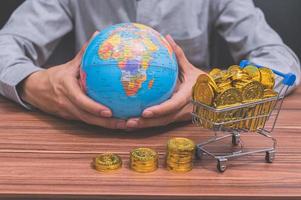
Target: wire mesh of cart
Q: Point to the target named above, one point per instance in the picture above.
(258, 116)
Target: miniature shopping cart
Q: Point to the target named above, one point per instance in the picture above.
(258, 117)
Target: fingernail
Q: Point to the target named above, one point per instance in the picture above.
(95, 33)
(106, 113)
(148, 114)
(171, 39)
(132, 124)
(121, 125)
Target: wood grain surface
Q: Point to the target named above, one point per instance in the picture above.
(44, 157)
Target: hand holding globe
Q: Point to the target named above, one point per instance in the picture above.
(129, 67)
(57, 91)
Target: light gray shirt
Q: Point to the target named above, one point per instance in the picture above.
(36, 27)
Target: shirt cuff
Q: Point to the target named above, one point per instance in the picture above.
(12, 77)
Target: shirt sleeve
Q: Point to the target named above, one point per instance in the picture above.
(28, 39)
(244, 28)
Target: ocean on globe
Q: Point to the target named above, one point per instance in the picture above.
(129, 67)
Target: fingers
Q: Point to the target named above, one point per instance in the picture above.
(182, 115)
(146, 123)
(75, 93)
(180, 98)
(176, 102)
(183, 62)
(76, 61)
(88, 118)
(78, 98)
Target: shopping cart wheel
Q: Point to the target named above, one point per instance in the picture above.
(235, 139)
(222, 164)
(269, 156)
(198, 153)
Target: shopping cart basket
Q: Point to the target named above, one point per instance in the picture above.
(258, 116)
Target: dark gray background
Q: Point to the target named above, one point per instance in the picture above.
(283, 15)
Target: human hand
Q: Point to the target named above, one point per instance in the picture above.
(178, 107)
(57, 91)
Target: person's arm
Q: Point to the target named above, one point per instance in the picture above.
(248, 35)
(27, 40)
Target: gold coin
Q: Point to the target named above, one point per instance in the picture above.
(176, 169)
(228, 97)
(224, 85)
(142, 166)
(267, 77)
(180, 153)
(204, 93)
(204, 78)
(252, 91)
(267, 93)
(145, 170)
(240, 75)
(214, 72)
(143, 160)
(180, 159)
(253, 72)
(226, 75)
(180, 144)
(220, 77)
(107, 162)
(194, 90)
(180, 165)
(233, 69)
(239, 84)
(144, 154)
(267, 107)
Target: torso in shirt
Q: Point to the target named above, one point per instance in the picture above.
(187, 22)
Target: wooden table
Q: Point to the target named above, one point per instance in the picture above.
(47, 157)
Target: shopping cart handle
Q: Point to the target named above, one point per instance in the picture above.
(288, 79)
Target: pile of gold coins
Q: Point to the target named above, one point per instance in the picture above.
(180, 154)
(107, 162)
(232, 87)
(179, 158)
(144, 160)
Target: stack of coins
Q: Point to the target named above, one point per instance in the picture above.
(143, 160)
(231, 87)
(107, 162)
(180, 154)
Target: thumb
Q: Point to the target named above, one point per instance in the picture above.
(94, 34)
(78, 58)
(182, 60)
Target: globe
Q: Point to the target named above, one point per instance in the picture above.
(128, 67)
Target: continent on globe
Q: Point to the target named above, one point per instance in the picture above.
(129, 67)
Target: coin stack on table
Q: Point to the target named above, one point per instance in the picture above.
(143, 160)
(107, 162)
(180, 154)
(235, 86)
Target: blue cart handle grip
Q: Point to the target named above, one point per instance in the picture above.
(288, 79)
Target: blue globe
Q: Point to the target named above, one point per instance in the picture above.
(129, 67)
